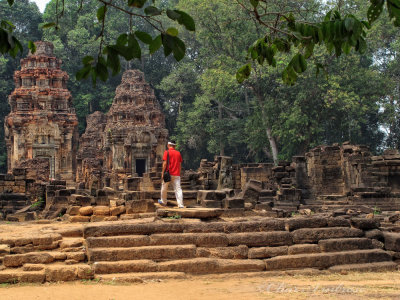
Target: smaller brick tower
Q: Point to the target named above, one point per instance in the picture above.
(42, 122)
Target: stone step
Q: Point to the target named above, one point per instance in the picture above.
(345, 244)
(20, 276)
(313, 235)
(144, 252)
(17, 260)
(198, 213)
(139, 277)
(121, 229)
(368, 267)
(118, 241)
(198, 239)
(326, 260)
(212, 265)
(49, 273)
(190, 266)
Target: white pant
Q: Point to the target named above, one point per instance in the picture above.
(176, 184)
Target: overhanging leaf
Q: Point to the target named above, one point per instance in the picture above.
(155, 44)
(375, 10)
(144, 37)
(137, 3)
(172, 31)
(32, 47)
(101, 13)
(243, 73)
(152, 11)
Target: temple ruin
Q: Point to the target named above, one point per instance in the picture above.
(129, 140)
(42, 123)
(335, 208)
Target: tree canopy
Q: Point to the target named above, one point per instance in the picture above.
(271, 113)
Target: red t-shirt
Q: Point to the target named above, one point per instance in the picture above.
(175, 160)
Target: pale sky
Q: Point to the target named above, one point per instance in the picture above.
(41, 4)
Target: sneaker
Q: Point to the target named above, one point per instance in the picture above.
(161, 202)
(181, 207)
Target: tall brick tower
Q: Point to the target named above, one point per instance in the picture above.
(135, 136)
(42, 122)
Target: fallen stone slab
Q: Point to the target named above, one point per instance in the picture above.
(145, 252)
(345, 244)
(254, 239)
(326, 260)
(313, 235)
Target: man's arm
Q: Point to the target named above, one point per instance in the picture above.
(164, 166)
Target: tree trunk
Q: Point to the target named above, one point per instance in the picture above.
(271, 139)
(221, 143)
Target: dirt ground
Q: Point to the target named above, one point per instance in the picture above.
(225, 286)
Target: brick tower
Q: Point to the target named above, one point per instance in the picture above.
(42, 122)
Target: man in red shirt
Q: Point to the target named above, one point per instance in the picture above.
(174, 167)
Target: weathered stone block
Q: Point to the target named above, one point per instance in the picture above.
(86, 211)
(75, 219)
(253, 239)
(313, 235)
(365, 224)
(97, 218)
(73, 210)
(239, 252)
(392, 241)
(118, 210)
(303, 248)
(101, 211)
(345, 244)
(296, 223)
(267, 252)
(233, 203)
(140, 206)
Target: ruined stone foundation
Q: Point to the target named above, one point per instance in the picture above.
(42, 122)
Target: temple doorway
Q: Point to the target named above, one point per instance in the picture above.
(140, 166)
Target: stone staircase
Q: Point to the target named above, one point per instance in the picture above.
(135, 251)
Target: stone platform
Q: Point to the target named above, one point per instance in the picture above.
(133, 250)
